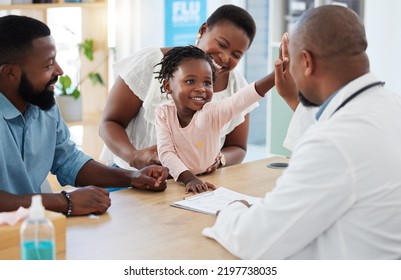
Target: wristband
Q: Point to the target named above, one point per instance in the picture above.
(69, 203)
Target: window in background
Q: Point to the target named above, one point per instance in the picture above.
(66, 27)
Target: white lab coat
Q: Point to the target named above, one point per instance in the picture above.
(301, 120)
(340, 197)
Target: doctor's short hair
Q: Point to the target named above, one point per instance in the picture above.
(16, 36)
(174, 58)
(235, 15)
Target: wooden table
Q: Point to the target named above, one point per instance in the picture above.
(143, 225)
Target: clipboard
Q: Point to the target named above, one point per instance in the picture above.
(212, 201)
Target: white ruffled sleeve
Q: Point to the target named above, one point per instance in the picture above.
(138, 72)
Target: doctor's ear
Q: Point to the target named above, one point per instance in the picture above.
(308, 63)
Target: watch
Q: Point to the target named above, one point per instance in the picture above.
(223, 161)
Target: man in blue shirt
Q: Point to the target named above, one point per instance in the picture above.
(34, 138)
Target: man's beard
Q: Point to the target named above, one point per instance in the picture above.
(305, 101)
(44, 99)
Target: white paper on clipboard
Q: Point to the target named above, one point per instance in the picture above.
(212, 201)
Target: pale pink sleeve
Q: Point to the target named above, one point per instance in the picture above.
(236, 103)
(166, 144)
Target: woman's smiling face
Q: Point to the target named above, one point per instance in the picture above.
(226, 44)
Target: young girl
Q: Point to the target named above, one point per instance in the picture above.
(188, 129)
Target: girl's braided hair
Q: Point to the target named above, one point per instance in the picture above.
(174, 57)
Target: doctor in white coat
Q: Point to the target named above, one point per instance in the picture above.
(340, 197)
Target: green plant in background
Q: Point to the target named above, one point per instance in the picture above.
(87, 49)
(65, 84)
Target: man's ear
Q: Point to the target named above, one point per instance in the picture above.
(309, 63)
(10, 72)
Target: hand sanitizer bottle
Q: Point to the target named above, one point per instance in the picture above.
(37, 234)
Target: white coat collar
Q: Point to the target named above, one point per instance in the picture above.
(345, 92)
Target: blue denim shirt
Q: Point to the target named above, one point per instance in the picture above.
(33, 144)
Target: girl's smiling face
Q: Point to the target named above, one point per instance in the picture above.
(191, 85)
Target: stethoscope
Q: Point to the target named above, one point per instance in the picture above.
(357, 93)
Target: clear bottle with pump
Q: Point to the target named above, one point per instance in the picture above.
(37, 234)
